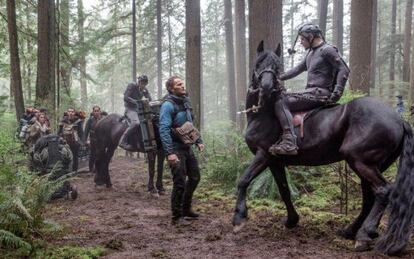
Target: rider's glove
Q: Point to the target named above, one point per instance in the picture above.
(335, 96)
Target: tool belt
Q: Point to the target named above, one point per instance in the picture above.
(187, 133)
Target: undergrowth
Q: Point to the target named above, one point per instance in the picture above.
(23, 198)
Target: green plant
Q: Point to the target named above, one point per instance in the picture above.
(70, 252)
(226, 156)
(226, 159)
(23, 196)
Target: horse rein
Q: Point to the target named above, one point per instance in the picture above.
(255, 108)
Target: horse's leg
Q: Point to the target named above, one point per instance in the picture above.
(259, 164)
(108, 156)
(381, 191)
(279, 174)
(368, 199)
(160, 170)
(99, 165)
(151, 172)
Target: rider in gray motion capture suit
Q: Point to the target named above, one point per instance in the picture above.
(327, 76)
(133, 93)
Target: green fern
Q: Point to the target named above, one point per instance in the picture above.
(10, 240)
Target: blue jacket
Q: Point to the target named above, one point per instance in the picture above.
(173, 114)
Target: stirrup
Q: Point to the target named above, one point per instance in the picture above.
(286, 145)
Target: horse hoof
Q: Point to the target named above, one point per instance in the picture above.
(345, 233)
(291, 223)
(238, 228)
(362, 245)
(154, 194)
(373, 234)
(99, 186)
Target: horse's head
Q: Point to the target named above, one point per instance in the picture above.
(266, 71)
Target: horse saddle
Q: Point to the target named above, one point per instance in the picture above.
(299, 117)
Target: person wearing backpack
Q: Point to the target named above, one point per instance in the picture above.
(177, 136)
(51, 155)
(71, 130)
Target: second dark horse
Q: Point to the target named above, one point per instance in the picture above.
(108, 132)
(365, 133)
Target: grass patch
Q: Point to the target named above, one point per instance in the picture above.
(70, 252)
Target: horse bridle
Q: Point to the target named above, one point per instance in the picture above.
(266, 70)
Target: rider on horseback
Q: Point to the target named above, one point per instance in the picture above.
(327, 76)
(133, 93)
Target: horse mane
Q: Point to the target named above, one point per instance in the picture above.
(264, 55)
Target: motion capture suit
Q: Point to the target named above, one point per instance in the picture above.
(131, 95)
(327, 76)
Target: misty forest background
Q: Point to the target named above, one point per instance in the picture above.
(76, 53)
(86, 51)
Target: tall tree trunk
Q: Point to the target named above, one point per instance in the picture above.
(16, 78)
(411, 90)
(66, 66)
(293, 32)
(322, 14)
(373, 43)
(392, 40)
(45, 82)
(27, 79)
(338, 24)
(360, 51)
(381, 89)
(407, 40)
(112, 87)
(159, 50)
(170, 68)
(240, 57)
(193, 55)
(134, 42)
(82, 59)
(265, 23)
(231, 90)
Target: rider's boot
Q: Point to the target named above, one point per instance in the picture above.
(286, 145)
(124, 141)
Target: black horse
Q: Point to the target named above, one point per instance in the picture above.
(108, 132)
(365, 133)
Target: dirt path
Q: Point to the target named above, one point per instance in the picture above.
(137, 225)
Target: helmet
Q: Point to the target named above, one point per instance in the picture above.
(310, 28)
(143, 78)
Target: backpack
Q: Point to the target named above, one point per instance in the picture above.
(51, 154)
(70, 133)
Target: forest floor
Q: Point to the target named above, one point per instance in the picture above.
(131, 223)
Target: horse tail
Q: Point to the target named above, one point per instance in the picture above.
(397, 235)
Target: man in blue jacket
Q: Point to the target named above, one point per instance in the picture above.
(174, 112)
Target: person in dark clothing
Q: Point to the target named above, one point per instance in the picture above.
(96, 115)
(174, 113)
(327, 76)
(71, 130)
(133, 93)
(400, 109)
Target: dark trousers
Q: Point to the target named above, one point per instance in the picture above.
(295, 103)
(74, 147)
(92, 154)
(186, 176)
